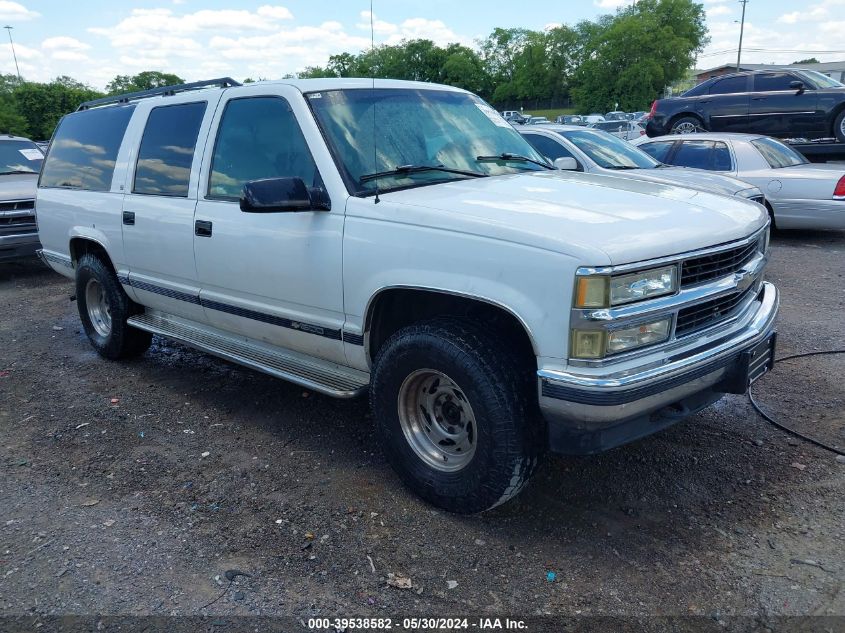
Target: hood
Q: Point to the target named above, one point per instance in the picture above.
(591, 217)
(18, 186)
(688, 177)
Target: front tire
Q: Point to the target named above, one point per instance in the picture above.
(454, 415)
(104, 308)
(686, 125)
(839, 127)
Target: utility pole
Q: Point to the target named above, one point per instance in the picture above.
(741, 29)
(9, 29)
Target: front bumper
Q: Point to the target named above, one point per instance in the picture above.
(18, 246)
(590, 413)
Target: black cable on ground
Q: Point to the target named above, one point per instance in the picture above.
(777, 424)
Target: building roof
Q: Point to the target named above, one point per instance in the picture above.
(821, 67)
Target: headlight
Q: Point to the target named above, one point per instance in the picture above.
(593, 344)
(603, 291)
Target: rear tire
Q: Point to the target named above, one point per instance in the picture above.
(839, 127)
(104, 308)
(686, 125)
(454, 417)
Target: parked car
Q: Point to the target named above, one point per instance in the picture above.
(781, 103)
(799, 194)
(570, 119)
(20, 162)
(593, 118)
(616, 115)
(536, 120)
(626, 130)
(453, 274)
(637, 116)
(597, 152)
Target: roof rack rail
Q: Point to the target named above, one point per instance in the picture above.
(165, 91)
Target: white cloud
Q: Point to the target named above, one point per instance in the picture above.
(379, 26)
(719, 9)
(274, 13)
(63, 42)
(412, 29)
(612, 4)
(13, 11)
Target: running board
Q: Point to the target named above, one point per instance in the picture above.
(316, 374)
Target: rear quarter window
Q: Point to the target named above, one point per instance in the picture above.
(84, 149)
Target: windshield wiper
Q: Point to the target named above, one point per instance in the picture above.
(402, 170)
(624, 167)
(517, 158)
(17, 171)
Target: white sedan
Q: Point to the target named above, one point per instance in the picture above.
(800, 195)
(626, 130)
(584, 149)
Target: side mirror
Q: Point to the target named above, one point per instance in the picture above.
(566, 163)
(278, 195)
(797, 85)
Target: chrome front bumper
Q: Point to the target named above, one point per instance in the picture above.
(580, 403)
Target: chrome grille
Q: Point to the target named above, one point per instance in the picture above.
(17, 205)
(698, 269)
(703, 315)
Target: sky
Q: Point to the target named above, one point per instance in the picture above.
(94, 40)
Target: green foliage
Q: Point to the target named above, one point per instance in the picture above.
(809, 60)
(142, 81)
(43, 104)
(630, 57)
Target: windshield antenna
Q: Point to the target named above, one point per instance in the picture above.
(373, 76)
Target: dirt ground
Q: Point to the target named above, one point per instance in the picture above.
(131, 488)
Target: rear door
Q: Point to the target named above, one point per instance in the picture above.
(778, 110)
(725, 108)
(158, 208)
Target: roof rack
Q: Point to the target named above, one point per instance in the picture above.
(164, 91)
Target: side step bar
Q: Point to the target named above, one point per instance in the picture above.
(320, 375)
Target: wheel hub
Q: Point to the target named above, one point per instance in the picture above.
(99, 311)
(437, 420)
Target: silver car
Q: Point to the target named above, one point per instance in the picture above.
(800, 194)
(626, 130)
(20, 163)
(594, 151)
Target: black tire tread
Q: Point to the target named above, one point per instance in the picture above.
(469, 344)
(124, 340)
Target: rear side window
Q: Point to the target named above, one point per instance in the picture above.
(658, 150)
(167, 150)
(547, 147)
(696, 154)
(729, 85)
(259, 137)
(770, 82)
(84, 149)
(722, 157)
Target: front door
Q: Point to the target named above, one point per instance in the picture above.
(275, 277)
(777, 109)
(158, 209)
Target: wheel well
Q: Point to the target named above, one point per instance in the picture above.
(836, 112)
(80, 246)
(771, 213)
(396, 308)
(680, 115)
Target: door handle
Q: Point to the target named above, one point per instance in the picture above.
(202, 228)
(129, 218)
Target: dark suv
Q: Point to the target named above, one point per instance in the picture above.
(783, 103)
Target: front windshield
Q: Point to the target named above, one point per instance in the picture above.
(415, 127)
(822, 81)
(20, 156)
(777, 154)
(608, 151)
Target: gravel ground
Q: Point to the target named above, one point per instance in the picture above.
(131, 488)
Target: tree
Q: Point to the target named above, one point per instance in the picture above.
(11, 120)
(43, 104)
(809, 60)
(142, 81)
(630, 57)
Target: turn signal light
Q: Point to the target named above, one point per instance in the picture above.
(839, 192)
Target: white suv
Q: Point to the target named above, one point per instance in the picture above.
(402, 238)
